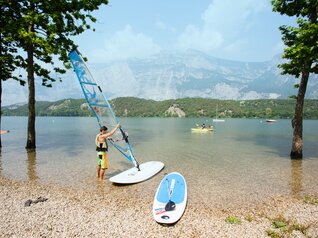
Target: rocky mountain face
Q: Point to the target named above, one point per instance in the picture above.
(174, 75)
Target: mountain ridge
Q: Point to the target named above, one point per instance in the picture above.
(194, 74)
(173, 75)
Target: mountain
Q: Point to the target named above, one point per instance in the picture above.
(172, 75)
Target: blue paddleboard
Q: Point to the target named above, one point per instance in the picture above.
(171, 199)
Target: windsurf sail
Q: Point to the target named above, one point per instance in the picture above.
(100, 106)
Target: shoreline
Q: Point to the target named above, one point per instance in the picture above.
(174, 108)
(70, 212)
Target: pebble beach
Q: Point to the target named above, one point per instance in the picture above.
(240, 184)
(67, 212)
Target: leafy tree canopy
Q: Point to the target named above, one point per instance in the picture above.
(301, 41)
(43, 28)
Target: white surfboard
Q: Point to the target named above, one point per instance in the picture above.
(133, 175)
(171, 199)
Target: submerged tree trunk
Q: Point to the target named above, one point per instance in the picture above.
(1, 73)
(31, 103)
(297, 123)
(0, 108)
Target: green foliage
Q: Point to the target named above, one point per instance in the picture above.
(278, 223)
(311, 200)
(273, 234)
(36, 31)
(249, 218)
(43, 29)
(301, 41)
(193, 107)
(282, 227)
(233, 220)
(7, 59)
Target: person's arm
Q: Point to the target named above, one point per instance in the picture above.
(111, 132)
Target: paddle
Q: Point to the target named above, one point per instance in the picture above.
(170, 205)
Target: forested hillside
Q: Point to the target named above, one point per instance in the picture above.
(186, 107)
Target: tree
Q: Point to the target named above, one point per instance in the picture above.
(6, 65)
(268, 112)
(302, 56)
(8, 61)
(41, 30)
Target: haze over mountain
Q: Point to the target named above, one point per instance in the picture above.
(171, 75)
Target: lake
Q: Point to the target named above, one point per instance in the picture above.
(241, 162)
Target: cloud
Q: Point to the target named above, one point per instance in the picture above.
(229, 16)
(126, 44)
(204, 40)
(162, 26)
(226, 25)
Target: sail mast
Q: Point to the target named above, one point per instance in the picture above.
(100, 105)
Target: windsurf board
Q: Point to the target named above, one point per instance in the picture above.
(133, 175)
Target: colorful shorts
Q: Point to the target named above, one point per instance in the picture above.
(102, 159)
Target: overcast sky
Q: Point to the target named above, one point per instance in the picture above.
(244, 30)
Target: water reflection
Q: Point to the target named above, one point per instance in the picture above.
(237, 153)
(0, 161)
(32, 165)
(296, 176)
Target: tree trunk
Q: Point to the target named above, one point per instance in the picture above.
(0, 108)
(31, 104)
(1, 87)
(297, 123)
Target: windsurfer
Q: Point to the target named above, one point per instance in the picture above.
(102, 148)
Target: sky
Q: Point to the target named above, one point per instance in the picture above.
(244, 30)
(241, 30)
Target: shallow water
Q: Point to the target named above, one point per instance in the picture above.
(242, 161)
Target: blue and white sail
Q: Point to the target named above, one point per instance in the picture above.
(100, 106)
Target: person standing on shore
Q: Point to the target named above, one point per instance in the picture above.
(102, 148)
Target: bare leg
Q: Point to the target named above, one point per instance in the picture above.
(101, 174)
(98, 171)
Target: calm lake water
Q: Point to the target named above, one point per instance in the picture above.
(241, 161)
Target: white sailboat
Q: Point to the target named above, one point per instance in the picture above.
(216, 119)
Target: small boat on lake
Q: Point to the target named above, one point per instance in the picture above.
(216, 119)
(270, 120)
(200, 129)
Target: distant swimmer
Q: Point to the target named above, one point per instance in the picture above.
(4, 131)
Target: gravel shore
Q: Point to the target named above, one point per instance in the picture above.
(56, 211)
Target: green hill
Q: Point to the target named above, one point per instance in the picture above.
(185, 107)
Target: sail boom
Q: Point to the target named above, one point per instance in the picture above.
(89, 83)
